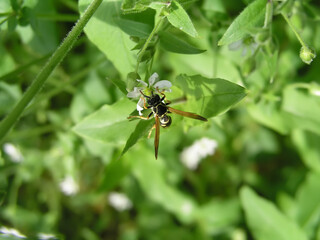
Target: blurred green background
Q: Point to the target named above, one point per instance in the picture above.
(250, 173)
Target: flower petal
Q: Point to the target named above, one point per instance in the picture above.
(140, 106)
(235, 45)
(142, 82)
(135, 93)
(153, 78)
(163, 85)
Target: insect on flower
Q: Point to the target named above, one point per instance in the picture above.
(160, 109)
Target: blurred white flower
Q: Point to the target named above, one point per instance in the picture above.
(248, 46)
(11, 232)
(13, 152)
(316, 92)
(119, 201)
(69, 186)
(46, 236)
(154, 85)
(187, 208)
(191, 156)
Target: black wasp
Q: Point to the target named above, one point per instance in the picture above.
(160, 110)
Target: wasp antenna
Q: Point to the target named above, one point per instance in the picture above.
(144, 94)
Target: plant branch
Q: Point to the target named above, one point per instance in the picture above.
(52, 63)
(144, 48)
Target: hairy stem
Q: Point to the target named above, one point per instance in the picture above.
(43, 75)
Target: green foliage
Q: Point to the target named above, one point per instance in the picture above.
(265, 220)
(73, 166)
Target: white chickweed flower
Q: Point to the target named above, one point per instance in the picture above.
(69, 186)
(191, 156)
(11, 232)
(248, 46)
(13, 152)
(119, 201)
(154, 85)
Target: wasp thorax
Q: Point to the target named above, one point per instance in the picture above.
(165, 121)
(153, 100)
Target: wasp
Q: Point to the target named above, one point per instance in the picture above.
(160, 109)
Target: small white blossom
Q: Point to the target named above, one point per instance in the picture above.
(187, 208)
(119, 201)
(248, 46)
(46, 236)
(12, 232)
(69, 186)
(316, 92)
(13, 152)
(191, 156)
(154, 85)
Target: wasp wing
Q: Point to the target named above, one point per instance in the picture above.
(187, 114)
(157, 136)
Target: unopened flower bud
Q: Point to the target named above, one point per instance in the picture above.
(307, 54)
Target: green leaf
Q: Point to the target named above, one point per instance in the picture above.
(308, 204)
(151, 175)
(302, 105)
(180, 19)
(209, 96)
(133, 28)
(174, 44)
(252, 16)
(308, 145)
(109, 124)
(269, 114)
(141, 130)
(114, 173)
(218, 215)
(103, 31)
(266, 221)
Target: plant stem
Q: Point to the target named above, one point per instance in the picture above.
(294, 29)
(269, 14)
(147, 42)
(52, 63)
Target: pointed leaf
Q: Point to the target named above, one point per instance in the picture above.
(209, 96)
(180, 19)
(252, 16)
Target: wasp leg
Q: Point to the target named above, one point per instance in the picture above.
(164, 97)
(153, 127)
(141, 117)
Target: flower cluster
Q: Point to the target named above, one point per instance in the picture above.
(154, 86)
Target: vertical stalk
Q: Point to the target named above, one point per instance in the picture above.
(43, 75)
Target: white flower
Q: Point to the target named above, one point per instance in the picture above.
(13, 152)
(46, 236)
(248, 45)
(154, 85)
(191, 156)
(12, 232)
(69, 186)
(119, 201)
